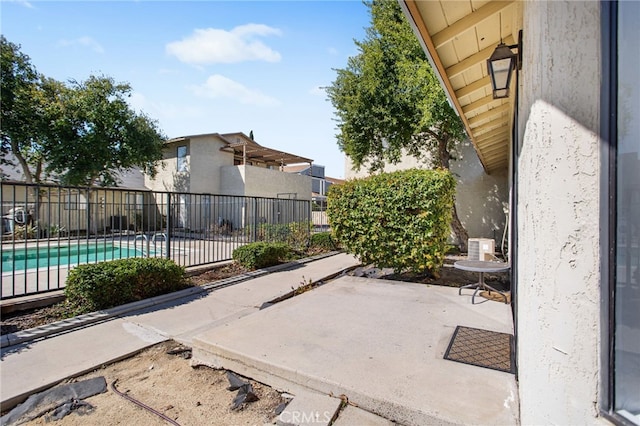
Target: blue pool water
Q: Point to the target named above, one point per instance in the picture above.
(42, 257)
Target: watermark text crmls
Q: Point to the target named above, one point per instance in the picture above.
(306, 417)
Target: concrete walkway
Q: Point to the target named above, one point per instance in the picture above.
(378, 343)
(34, 365)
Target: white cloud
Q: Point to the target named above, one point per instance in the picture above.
(211, 45)
(219, 86)
(332, 51)
(259, 29)
(84, 42)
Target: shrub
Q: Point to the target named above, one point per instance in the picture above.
(25, 232)
(296, 234)
(399, 220)
(103, 285)
(323, 240)
(261, 254)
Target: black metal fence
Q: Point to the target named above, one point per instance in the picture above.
(47, 229)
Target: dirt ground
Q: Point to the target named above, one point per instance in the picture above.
(168, 384)
(162, 381)
(448, 275)
(198, 396)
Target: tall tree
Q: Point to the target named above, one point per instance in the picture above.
(21, 118)
(100, 135)
(388, 101)
(85, 131)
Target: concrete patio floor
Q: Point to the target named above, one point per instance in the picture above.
(379, 343)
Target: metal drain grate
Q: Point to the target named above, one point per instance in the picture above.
(483, 348)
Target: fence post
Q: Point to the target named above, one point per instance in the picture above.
(309, 219)
(169, 225)
(254, 232)
(88, 210)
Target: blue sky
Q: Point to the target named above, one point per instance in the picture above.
(205, 66)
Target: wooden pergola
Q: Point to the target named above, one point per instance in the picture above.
(252, 151)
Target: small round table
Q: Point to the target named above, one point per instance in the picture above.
(481, 266)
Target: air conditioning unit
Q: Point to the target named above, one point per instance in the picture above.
(481, 249)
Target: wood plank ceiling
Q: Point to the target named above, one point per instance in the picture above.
(459, 36)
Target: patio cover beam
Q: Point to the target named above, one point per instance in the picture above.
(498, 161)
(497, 156)
(487, 144)
(499, 131)
(473, 60)
(495, 147)
(478, 104)
(473, 87)
(486, 127)
(493, 112)
(469, 21)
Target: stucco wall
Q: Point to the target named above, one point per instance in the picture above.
(202, 174)
(558, 311)
(261, 182)
(206, 161)
(481, 199)
(167, 177)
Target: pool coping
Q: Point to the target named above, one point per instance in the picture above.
(57, 327)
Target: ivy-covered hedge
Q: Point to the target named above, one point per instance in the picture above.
(103, 285)
(399, 220)
(260, 254)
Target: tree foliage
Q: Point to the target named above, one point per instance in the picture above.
(19, 82)
(388, 101)
(86, 131)
(99, 135)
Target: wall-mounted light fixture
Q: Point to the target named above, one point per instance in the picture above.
(500, 65)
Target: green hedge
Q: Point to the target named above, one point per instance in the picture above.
(323, 240)
(103, 285)
(260, 254)
(399, 220)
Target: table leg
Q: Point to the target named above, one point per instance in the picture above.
(477, 286)
(481, 285)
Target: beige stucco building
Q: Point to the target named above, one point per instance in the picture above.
(211, 174)
(568, 137)
(228, 164)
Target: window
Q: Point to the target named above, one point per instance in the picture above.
(621, 279)
(182, 158)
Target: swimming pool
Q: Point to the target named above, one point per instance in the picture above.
(22, 259)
